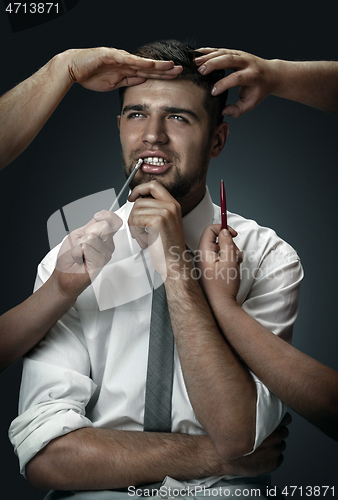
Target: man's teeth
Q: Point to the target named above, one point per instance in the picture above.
(153, 160)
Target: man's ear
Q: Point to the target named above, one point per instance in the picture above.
(118, 121)
(219, 138)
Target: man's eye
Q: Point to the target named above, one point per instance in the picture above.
(179, 118)
(135, 115)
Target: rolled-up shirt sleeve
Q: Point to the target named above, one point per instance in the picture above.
(60, 408)
(56, 385)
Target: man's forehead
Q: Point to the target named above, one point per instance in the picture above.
(165, 93)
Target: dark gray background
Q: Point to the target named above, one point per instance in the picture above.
(279, 168)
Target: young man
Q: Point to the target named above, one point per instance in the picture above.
(90, 373)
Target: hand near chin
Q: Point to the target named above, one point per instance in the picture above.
(85, 252)
(156, 222)
(103, 69)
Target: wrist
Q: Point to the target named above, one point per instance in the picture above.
(226, 305)
(180, 268)
(61, 68)
(59, 293)
(281, 73)
(274, 75)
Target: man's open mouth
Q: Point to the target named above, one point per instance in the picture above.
(154, 160)
(155, 165)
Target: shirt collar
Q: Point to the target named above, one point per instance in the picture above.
(196, 220)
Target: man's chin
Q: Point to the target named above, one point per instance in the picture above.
(144, 178)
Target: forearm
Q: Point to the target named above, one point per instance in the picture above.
(304, 384)
(25, 109)
(314, 83)
(25, 325)
(220, 388)
(89, 459)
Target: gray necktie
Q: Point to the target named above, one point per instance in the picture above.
(157, 412)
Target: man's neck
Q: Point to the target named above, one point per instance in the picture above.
(191, 201)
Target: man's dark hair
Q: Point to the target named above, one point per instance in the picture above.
(183, 55)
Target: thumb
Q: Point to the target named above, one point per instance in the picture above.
(236, 110)
(225, 238)
(228, 250)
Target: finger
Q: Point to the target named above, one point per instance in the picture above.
(281, 432)
(220, 60)
(207, 50)
(164, 65)
(130, 81)
(124, 57)
(204, 50)
(114, 221)
(232, 231)
(282, 447)
(105, 56)
(236, 79)
(172, 73)
(103, 250)
(143, 62)
(225, 238)
(77, 254)
(102, 237)
(139, 234)
(159, 71)
(235, 110)
(229, 252)
(150, 213)
(208, 241)
(93, 259)
(209, 246)
(151, 206)
(241, 107)
(111, 56)
(286, 420)
(284, 433)
(211, 233)
(148, 218)
(144, 72)
(154, 189)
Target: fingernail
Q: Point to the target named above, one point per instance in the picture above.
(214, 91)
(198, 59)
(98, 215)
(202, 69)
(225, 232)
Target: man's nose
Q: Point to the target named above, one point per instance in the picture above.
(154, 131)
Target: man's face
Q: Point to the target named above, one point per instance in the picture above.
(166, 124)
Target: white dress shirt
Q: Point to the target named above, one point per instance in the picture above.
(90, 369)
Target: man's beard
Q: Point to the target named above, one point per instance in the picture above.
(178, 185)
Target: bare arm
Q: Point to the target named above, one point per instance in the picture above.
(89, 459)
(307, 386)
(25, 109)
(220, 388)
(25, 325)
(314, 83)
